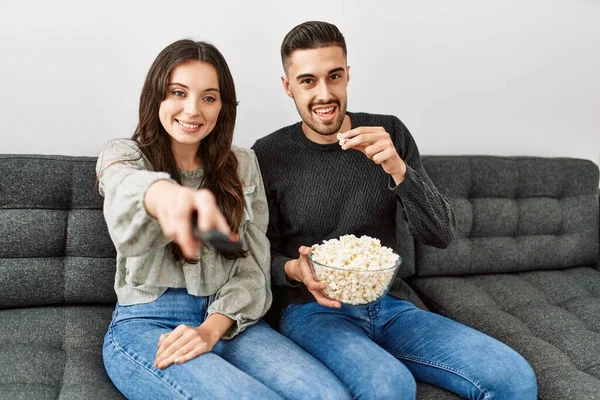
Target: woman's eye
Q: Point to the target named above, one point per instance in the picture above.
(178, 93)
(210, 99)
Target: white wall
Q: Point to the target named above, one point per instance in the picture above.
(502, 77)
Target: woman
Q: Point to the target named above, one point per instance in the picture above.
(176, 298)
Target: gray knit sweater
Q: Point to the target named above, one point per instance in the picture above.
(318, 192)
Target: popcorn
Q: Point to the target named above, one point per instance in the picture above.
(356, 270)
(341, 139)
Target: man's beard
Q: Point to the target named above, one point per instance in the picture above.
(325, 129)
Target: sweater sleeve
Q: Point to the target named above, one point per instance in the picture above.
(430, 216)
(124, 179)
(246, 296)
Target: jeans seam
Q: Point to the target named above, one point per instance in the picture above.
(444, 367)
(137, 362)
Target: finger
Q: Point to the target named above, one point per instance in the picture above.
(167, 354)
(187, 336)
(377, 147)
(221, 224)
(206, 217)
(351, 133)
(360, 131)
(182, 351)
(324, 300)
(162, 338)
(313, 284)
(364, 139)
(166, 343)
(383, 156)
(161, 346)
(304, 250)
(209, 214)
(191, 355)
(191, 350)
(184, 236)
(166, 224)
(311, 281)
(186, 240)
(360, 148)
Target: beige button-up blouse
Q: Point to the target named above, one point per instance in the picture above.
(145, 266)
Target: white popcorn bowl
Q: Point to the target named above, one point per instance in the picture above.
(355, 287)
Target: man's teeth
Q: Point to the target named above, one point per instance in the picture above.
(324, 110)
(188, 126)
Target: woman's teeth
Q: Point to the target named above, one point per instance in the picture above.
(188, 126)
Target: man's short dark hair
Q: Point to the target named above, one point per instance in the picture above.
(311, 35)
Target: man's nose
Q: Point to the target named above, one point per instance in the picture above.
(323, 92)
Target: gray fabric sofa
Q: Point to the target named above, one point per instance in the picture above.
(523, 269)
(524, 266)
(57, 266)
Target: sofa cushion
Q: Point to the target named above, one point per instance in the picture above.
(514, 214)
(55, 247)
(54, 352)
(550, 317)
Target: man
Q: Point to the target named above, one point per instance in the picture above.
(318, 190)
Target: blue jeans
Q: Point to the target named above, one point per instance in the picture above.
(258, 363)
(379, 350)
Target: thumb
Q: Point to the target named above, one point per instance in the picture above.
(304, 250)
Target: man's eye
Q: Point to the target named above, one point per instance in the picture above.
(178, 93)
(335, 76)
(306, 81)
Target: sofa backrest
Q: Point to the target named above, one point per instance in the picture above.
(54, 244)
(514, 214)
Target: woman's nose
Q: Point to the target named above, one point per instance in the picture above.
(191, 108)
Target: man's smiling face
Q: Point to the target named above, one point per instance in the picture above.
(317, 80)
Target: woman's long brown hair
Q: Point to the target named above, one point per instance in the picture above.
(218, 160)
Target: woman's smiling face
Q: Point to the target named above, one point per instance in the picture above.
(190, 109)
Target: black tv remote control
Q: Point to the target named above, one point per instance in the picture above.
(216, 239)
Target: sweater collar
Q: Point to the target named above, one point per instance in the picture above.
(318, 146)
